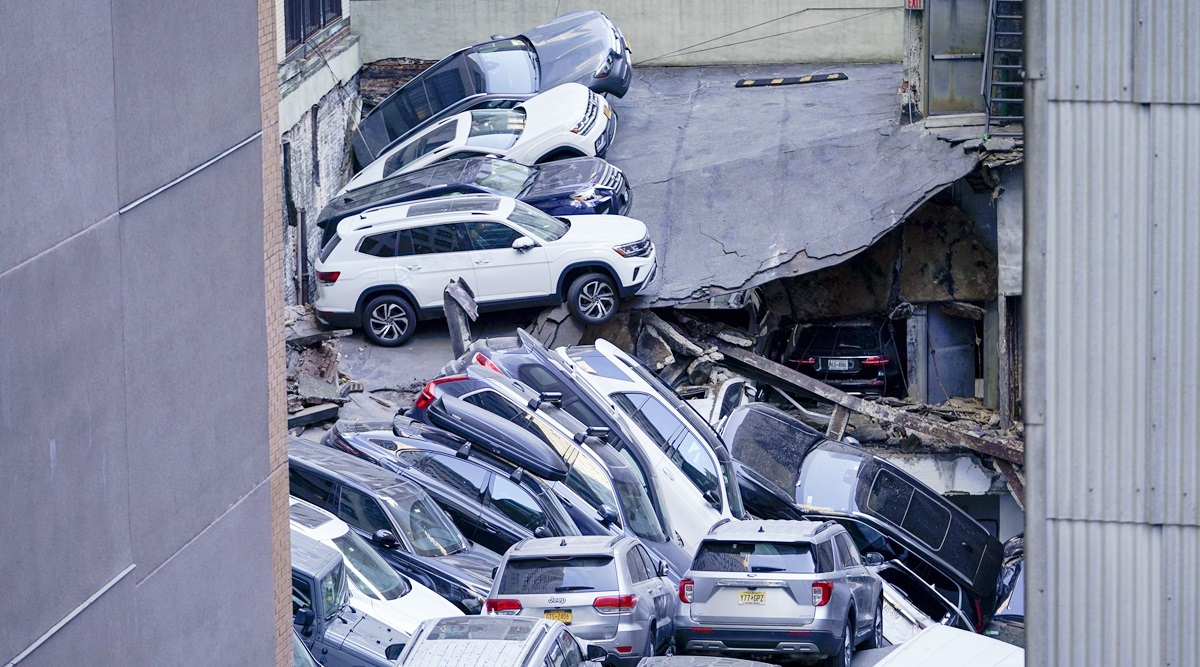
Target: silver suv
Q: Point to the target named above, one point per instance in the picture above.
(785, 589)
(608, 590)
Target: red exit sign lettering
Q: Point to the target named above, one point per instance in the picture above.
(914, 4)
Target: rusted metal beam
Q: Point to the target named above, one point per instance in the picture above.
(837, 423)
(1016, 485)
(459, 305)
(765, 370)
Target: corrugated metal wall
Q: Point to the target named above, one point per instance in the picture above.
(1115, 301)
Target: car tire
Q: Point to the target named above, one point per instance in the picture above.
(389, 320)
(648, 650)
(876, 638)
(593, 298)
(845, 656)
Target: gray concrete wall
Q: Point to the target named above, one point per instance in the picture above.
(133, 369)
(318, 166)
(697, 32)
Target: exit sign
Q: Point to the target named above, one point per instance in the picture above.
(914, 4)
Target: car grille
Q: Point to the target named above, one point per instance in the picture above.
(590, 114)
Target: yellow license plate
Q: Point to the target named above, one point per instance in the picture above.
(608, 112)
(561, 615)
(752, 597)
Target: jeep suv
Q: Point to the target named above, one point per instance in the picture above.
(785, 589)
(386, 268)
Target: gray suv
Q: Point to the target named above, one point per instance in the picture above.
(608, 590)
(783, 589)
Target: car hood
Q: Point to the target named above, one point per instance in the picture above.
(406, 612)
(567, 177)
(473, 565)
(561, 106)
(612, 229)
(572, 47)
(362, 635)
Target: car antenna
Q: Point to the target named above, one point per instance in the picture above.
(760, 529)
(563, 543)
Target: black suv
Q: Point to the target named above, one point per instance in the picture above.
(493, 501)
(858, 357)
(400, 520)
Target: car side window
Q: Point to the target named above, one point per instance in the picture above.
(433, 239)
(363, 511)
(651, 565)
(554, 656)
(572, 656)
(466, 478)
(823, 557)
(488, 235)
(637, 569)
(389, 244)
(848, 551)
(307, 486)
(301, 594)
(515, 503)
(673, 437)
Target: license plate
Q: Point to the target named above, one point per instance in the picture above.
(561, 615)
(839, 364)
(752, 597)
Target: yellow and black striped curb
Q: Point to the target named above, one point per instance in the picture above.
(791, 80)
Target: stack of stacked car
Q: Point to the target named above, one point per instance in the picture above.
(570, 496)
(488, 168)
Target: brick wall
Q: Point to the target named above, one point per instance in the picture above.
(274, 278)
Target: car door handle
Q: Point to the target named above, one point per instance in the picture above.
(413, 267)
(483, 261)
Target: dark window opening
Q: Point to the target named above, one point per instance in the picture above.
(304, 18)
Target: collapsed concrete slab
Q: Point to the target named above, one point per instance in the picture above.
(805, 177)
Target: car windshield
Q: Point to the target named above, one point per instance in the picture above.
(506, 178)
(369, 573)
(828, 480)
(420, 146)
(333, 590)
(754, 557)
(425, 525)
(556, 574)
(539, 225)
(847, 340)
(508, 66)
(635, 502)
(496, 128)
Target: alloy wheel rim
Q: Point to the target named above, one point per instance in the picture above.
(847, 646)
(389, 321)
(596, 299)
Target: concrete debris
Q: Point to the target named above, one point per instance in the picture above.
(314, 391)
(735, 338)
(314, 415)
(653, 350)
(556, 328)
(676, 340)
(312, 367)
(621, 331)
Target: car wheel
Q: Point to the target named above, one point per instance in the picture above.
(648, 650)
(593, 298)
(389, 320)
(844, 656)
(876, 638)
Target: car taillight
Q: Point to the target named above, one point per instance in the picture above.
(615, 603)
(686, 586)
(876, 361)
(822, 593)
(485, 362)
(503, 606)
(328, 277)
(806, 361)
(426, 396)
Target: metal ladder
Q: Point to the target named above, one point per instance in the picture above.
(1004, 69)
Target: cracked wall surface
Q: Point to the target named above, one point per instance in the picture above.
(743, 186)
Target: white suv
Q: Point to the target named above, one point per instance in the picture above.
(386, 268)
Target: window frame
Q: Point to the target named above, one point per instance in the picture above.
(304, 19)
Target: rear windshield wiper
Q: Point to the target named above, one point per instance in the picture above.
(564, 589)
(766, 568)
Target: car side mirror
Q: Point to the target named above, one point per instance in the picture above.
(304, 618)
(472, 605)
(393, 652)
(384, 538)
(713, 498)
(596, 653)
(872, 559)
(608, 515)
(542, 531)
(523, 244)
(663, 569)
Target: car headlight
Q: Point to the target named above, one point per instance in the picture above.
(606, 68)
(636, 249)
(592, 196)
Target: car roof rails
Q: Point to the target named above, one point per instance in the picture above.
(718, 524)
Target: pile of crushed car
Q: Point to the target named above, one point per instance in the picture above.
(584, 510)
(556, 507)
